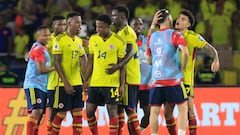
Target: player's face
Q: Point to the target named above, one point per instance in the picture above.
(59, 26)
(182, 22)
(116, 18)
(102, 28)
(137, 25)
(75, 24)
(43, 36)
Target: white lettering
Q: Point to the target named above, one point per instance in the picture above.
(229, 108)
(210, 114)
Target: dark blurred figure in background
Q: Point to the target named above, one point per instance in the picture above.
(204, 76)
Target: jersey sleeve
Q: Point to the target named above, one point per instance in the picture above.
(178, 39)
(57, 47)
(37, 54)
(91, 43)
(122, 48)
(81, 49)
(198, 41)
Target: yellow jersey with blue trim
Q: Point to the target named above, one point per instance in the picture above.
(105, 53)
(71, 50)
(194, 41)
(133, 66)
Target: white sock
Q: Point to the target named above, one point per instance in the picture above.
(154, 134)
(181, 132)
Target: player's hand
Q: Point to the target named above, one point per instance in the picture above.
(215, 66)
(26, 56)
(156, 18)
(121, 90)
(112, 69)
(69, 89)
(85, 88)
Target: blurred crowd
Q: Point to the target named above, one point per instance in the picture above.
(218, 21)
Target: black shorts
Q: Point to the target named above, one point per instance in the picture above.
(67, 102)
(103, 95)
(143, 97)
(129, 99)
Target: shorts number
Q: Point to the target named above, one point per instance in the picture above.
(114, 92)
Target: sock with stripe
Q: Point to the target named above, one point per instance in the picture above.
(121, 121)
(113, 126)
(171, 126)
(31, 125)
(92, 123)
(56, 124)
(133, 124)
(192, 126)
(49, 127)
(77, 122)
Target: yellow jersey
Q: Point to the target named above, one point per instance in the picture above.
(194, 41)
(105, 53)
(133, 66)
(53, 76)
(70, 50)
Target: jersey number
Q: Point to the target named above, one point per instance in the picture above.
(102, 54)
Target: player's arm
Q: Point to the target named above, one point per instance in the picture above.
(122, 78)
(89, 67)
(214, 54)
(58, 67)
(156, 17)
(42, 68)
(185, 55)
(83, 65)
(128, 56)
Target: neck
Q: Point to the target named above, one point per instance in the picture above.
(123, 24)
(70, 34)
(182, 30)
(105, 37)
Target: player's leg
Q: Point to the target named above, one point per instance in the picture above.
(113, 122)
(177, 94)
(51, 112)
(170, 120)
(156, 98)
(191, 114)
(154, 113)
(143, 96)
(62, 105)
(133, 122)
(36, 100)
(91, 106)
(191, 117)
(111, 98)
(78, 103)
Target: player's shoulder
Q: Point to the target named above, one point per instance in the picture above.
(117, 37)
(191, 33)
(60, 36)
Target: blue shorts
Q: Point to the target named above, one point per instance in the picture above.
(171, 94)
(129, 99)
(50, 98)
(143, 97)
(36, 99)
(67, 102)
(103, 95)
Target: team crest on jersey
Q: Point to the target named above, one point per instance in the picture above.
(201, 38)
(111, 46)
(39, 100)
(56, 47)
